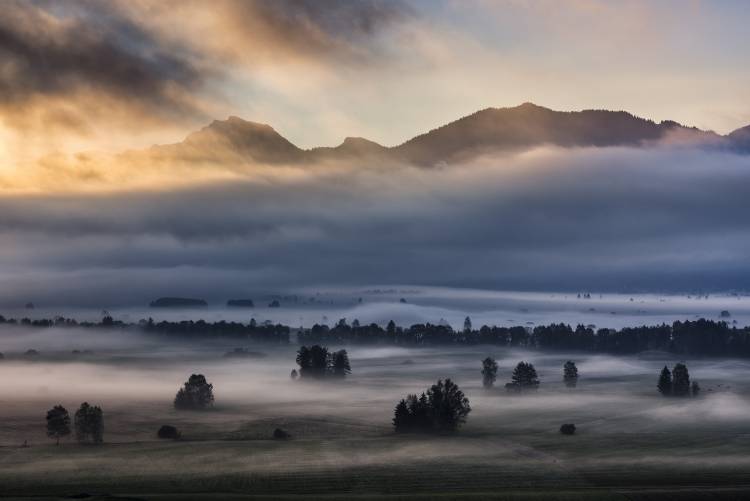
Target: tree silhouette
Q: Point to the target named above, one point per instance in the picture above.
(402, 418)
(443, 409)
(665, 382)
(695, 388)
(524, 378)
(570, 374)
(680, 381)
(58, 423)
(489, 372)
(294, 375)
(467, 325)
(89, 423)
(340, 364)
(312, 361)
(197, 393)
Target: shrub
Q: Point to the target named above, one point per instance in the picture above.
(280, 434)
(168, 432)
(568, 429)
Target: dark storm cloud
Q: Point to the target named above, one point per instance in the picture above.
(62, 49)
(608, 219)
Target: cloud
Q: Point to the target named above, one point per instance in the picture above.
(81, 51)
(601, 219)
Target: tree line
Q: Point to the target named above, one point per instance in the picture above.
(692, 338)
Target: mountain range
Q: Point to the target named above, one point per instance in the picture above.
(486, 131)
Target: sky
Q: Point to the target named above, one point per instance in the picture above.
(91, 215)
(106, 76)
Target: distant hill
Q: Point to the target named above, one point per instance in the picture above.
(177, 302)
(489, 130)
(740, 139)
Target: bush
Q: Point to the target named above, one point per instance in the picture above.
(568, 429)
(280, 434)
(168, 432)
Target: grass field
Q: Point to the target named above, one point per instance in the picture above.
(630, 444)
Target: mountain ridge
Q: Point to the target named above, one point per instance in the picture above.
(488, 130)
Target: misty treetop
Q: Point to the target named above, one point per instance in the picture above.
(489, 372)
(570, 374)
(443, 408)
(196, 394)
(317, 362)
(58, 423)
(676, 383)
(89, 424)
(524, 378)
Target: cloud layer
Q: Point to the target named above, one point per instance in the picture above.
(604, 219)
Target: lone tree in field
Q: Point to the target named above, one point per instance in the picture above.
(467, 325)
(570, 374)
(442, 409)
(680, 381)
(489, 372)
(196, 394)
(339, 365)
(524, 378)
(665, 382)
(695, 388)
(89, 423)
(58, 423)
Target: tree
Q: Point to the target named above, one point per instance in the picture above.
(448, 405)
(58, 423)
(680, 381)
(467, 325)
(443, 408)
(695, 388)
(524, 378)
(570, 374)
(489, 372)
(294, 375)
(402, 418)
(339, 365)
(665, 382)
(197, 393)
(89, 423)
(312, 361)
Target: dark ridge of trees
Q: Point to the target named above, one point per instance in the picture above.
(442, 409)
(89, 424)
(169, 432)
(570, 374)
(677, 382)
(690, 338)
(524, 378)
(196, 394)
(316, 362)
(489, 372)
(58, 423)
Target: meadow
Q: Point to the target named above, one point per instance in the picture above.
(631, 443)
